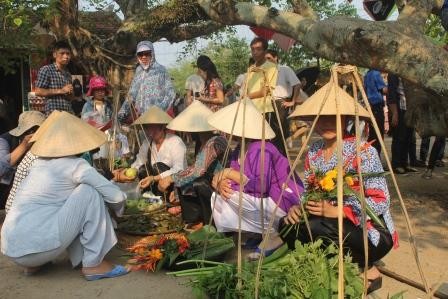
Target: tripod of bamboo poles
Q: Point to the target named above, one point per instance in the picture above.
(357, 84)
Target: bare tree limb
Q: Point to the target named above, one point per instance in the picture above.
(416, 12)
(188, 32)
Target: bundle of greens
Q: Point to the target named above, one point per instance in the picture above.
(139, 206)
(155, 252)
(310, 271)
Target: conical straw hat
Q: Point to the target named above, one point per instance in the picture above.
(311, 106)
(192, 119)
(223, 121)
(43, 127)
(67, 135)
(154, 115)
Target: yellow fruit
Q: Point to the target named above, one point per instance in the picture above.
(131, 173)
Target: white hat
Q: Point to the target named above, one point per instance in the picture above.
(192, 119)
(43, 127)
(66, 136)
(154, 115)
(331, 92)
(143, 48)
(224, 118)
(27, 120)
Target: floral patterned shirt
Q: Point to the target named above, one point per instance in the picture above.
(375, 187)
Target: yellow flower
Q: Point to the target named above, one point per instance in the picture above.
(327, 184)
(155, 254)
(332, 174)
(349, 180)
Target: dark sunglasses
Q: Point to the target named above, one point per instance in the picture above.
(145, 53)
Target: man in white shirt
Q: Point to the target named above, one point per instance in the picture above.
(287, 90)
(193, 86)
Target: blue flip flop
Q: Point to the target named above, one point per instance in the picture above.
(118, 270)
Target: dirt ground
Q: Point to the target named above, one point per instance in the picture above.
(426, 202)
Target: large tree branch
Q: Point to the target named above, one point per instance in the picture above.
(390, 46)
(416, 12)
(187, 32)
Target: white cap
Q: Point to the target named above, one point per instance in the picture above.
(143, 48)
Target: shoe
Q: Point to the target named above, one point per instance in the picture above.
(411, 169)
(256, 254)
(418, 163)
(375, 284)
(439, 163)
(399, 170)
(252, 243)
(192, 227)
(118, 270)
(428, 174)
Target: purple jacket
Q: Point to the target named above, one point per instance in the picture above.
(276, 170)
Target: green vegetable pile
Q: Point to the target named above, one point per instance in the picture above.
(310, 271)
(139, 206)
(156, 223)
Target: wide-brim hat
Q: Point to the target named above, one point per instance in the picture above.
(224, 118)
(47, 123)
(192, 119)
(154, 115)
(67, 135)
(27, 120)
(332, 94)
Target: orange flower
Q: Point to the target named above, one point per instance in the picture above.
(349, 181)
(327, 184)
(155, 254)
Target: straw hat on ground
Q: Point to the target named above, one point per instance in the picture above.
(27, 120)
(43, 127)
(330, 91)
(154, 115)
(223, 120)
(67, 135)
(192, 119)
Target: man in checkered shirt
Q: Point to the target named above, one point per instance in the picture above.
(54, 82)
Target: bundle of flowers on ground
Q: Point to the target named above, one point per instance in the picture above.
(323, 186)
(155, 252)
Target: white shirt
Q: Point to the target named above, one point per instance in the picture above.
(195, 83)
(240, 82)
(172, 152)
(286, 80)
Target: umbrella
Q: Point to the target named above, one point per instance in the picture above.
(379, 10)
(310, 74)
(283, 41)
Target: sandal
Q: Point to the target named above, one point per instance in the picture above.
(375, 284)
(192, 227)
(175, 210)
(118, 270)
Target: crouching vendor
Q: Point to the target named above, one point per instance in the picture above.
(161, 154)
(61, 204)
(194, 183)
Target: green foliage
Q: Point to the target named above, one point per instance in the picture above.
(181, 73)
(435, 31)
(18, 19)
(310, 271)
(399, 295)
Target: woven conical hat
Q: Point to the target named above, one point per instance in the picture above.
(223, 121)
(311, 106)
(154, 115)
(192, 119)
(43, 127)
(67, 135)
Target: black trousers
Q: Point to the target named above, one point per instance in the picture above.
(437, 150)
(155, 169)
(195, 201)
(378, 113)
(327, 230)
(402, 135)
(275, 123)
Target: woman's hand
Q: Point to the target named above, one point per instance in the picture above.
(293, 216)
(322, 208)
(165, 183)
(144, 183)
(120, 177)
(287, 104)
(224, 188)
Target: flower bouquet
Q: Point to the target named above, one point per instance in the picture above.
(322, 186)
(158, 251)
